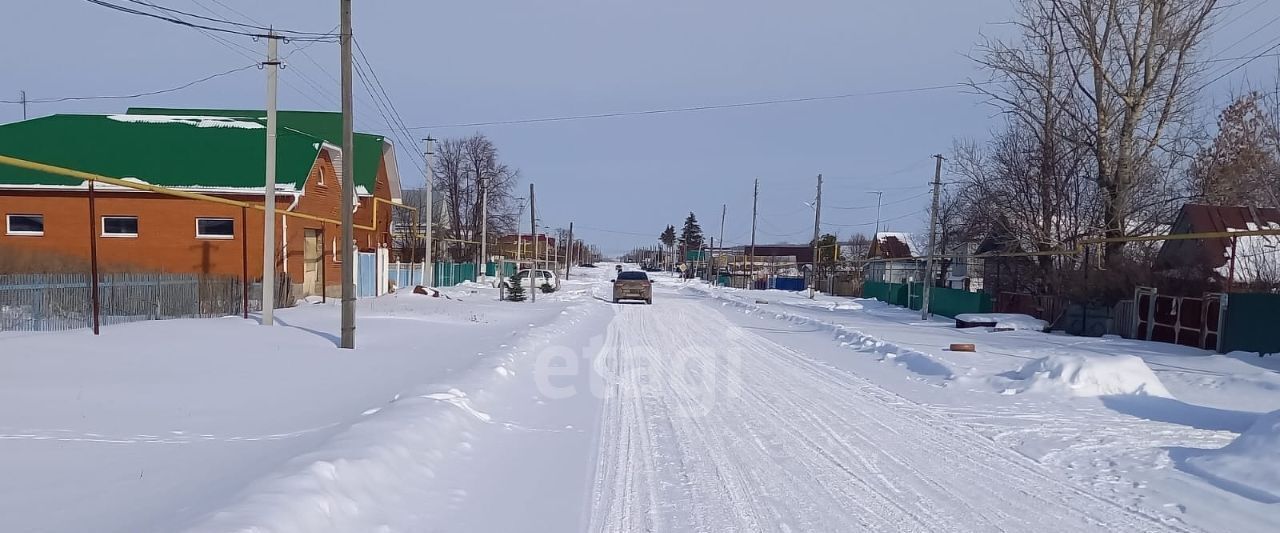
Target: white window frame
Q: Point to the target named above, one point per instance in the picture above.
(8, 225)
(216, 237)
(103, 227)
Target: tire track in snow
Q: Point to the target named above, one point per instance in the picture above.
(786, 444)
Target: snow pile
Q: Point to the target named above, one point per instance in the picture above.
(1250, 464)
(1009, 321)
(1092, 375)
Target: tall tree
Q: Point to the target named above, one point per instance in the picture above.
(1241, 166)
(1133, 62)
(691, 234)
(464, 169)
(668, 239)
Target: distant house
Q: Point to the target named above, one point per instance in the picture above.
(891, 259)
(1220, 263)
(783, 259)
(212, 152)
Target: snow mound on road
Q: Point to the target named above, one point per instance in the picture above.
(1092, 375)
(1006, 320)
(1250, 465)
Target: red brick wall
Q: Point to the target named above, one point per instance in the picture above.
(167, 241)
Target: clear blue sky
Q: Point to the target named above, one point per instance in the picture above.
(492, 60)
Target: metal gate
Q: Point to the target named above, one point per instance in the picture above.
(1187, 321)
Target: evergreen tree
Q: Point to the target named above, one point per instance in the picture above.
(691, 235)
(668, 237)
(516, 292)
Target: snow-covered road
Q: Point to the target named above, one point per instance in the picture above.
(710, 410)
(711, 427)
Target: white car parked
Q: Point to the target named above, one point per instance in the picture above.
(540, 278)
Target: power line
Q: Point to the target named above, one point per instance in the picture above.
(135, 95)
(691, 109)
(364, 81)
(223, 21)
(616, 232)
(299, 36)
(863, 225)
(391, 107)
(896, 202)
(1242, 65)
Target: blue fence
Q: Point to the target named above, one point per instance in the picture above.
(405, 275)
(366, 275)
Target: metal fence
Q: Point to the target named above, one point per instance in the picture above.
(55, 302)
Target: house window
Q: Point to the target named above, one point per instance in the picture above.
(215, 228)
(337, 254)
(322, 173)
(25, 225)
(119, 226)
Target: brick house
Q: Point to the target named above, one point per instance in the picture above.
(211, 152)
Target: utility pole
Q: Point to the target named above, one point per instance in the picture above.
(533, 229)
(933, 234)
(22, 95)
(484, 224)
(269, 202)
(429, 268)
(568, 256)
(724, 208)
(348, 339)
(817, 229)
(879, 197)
(755, 203)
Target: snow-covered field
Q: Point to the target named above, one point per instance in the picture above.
(710, 410)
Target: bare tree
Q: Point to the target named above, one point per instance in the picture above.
(464, 168)
(1132, 61)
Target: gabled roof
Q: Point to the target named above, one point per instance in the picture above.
(1215, 253)
(171, 151)
(890, 245)
(322, 124)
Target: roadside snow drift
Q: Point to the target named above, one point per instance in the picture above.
(1092, 375)
(1250, 465)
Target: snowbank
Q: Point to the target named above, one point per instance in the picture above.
(1006, 320)
(1250, 465)
(1092, 375)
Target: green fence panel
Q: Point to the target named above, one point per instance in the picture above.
(945, 302)
(952, 302)
(450, 274)
(1251, 324)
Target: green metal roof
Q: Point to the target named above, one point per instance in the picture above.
(322, 124)
(181, 152)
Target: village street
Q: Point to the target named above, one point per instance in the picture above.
(711, 409)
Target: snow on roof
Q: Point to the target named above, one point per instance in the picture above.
(197, 121)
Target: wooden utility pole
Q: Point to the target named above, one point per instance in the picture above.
(724, 208)
(933, 234)
(269, 202)
(755, 203)
(348, 177)
(23, 98)
(817, 232)
(429, 267)
(93, 261)
(533, 229)
(568, 255)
